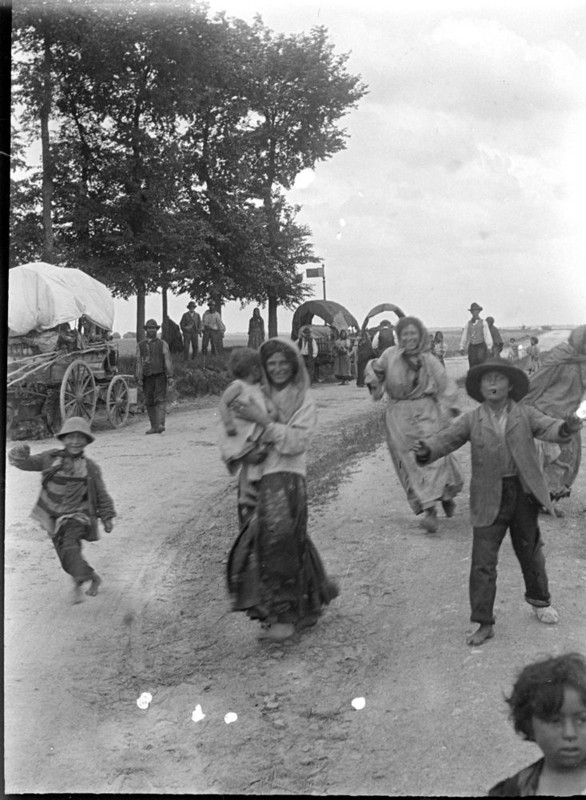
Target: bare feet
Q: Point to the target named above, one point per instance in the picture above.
(449, 507)
(277, 632)
(429, 522)
(94, 585)
(546, 614)
(77, 593)
(484, 632)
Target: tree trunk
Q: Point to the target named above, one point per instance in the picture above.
(165, 309)
(272, 312)
(47, 186)
(140, 320)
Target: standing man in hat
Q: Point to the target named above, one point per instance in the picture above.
(213, 330)
(154, 370)
(507, 487)
(476, 339)
(307, 349)
(383, 338)
(73, 497)
(191, 329)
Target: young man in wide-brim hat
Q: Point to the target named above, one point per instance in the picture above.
(73, 497)
(507, 487)
(476, 340)
(154, 370)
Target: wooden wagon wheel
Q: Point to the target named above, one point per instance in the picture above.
(78, 395)
(117, 401)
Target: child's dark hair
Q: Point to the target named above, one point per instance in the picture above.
(242, 361)
(539, 689)
(534, 340)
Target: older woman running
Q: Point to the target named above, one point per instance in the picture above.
(421, 400)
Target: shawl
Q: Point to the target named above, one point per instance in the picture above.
(557, 388)
(290, 398)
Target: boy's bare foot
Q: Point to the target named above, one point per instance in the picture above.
(277, 632)
(429, 521)
(479, 636)
(77, 593)
(94, 585)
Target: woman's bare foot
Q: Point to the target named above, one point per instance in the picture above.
(94, 585)
(277, 632)
(77, 593)
(429, 521)
(484, 632)
(449, 507)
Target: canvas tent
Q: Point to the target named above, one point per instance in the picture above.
(41, 296)
(380, 309)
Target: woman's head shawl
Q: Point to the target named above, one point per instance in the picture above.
(577, 339)
(558, 386)
(423, 343)
(290, 398)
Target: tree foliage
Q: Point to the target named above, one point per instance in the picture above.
(174, 136)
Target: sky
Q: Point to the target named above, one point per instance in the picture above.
(464, 176)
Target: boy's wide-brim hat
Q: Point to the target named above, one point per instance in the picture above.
(76, 425)
(475, 307)
(518, 378)
(151, 323)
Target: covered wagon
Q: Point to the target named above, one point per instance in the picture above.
(61, 359)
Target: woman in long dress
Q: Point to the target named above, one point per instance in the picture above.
(342, 350)
(275, 573)
(421, 399)
(256, 330)
(557, 388)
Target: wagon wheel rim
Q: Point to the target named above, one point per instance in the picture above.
(117, 401)
(78, 395)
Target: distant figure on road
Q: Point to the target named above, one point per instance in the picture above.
(514, 356)
(548, 707)
(497, 339)
(421, 400)
(534, 356)
(73, 497)
(308, 349)
(342, 350)
(154, 371)
(256, 329)
(439, 347)
(557, 389)
(275, 573)
(240, 440)
(190, 324)
(507, 486)
(213, 330)
(364, 353)
(383, 338)
(476, 341)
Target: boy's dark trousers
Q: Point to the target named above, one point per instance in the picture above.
(67, 543)
(518, 512)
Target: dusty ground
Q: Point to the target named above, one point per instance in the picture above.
(434, 722)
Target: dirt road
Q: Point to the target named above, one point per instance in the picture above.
(434, 722)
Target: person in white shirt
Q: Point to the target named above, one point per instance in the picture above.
(476, 341)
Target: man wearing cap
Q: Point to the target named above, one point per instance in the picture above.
(190, 328)
(476, 339)
(383, 338)
(73, 497)
(213, 330)
(507, 488)
(154, 370)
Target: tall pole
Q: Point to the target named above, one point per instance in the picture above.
(323, 277)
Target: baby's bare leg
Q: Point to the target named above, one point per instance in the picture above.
(94, 585)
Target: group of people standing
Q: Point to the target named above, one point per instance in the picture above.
(210, 327)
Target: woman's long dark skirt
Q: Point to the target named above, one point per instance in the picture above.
(275, 573)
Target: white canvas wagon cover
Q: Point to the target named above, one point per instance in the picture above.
(41, 296)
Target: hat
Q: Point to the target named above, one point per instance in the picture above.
(475, 307)
(191, 304)
(517, 377)
(76, 425)
(151, 323)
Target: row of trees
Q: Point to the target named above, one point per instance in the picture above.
(169, 138)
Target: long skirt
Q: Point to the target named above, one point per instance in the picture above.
(275, 573)
(406, 422)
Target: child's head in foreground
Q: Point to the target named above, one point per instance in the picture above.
(245, 364)
(548, 707)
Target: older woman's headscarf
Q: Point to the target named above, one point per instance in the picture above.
(557, 388)
(290, 398)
